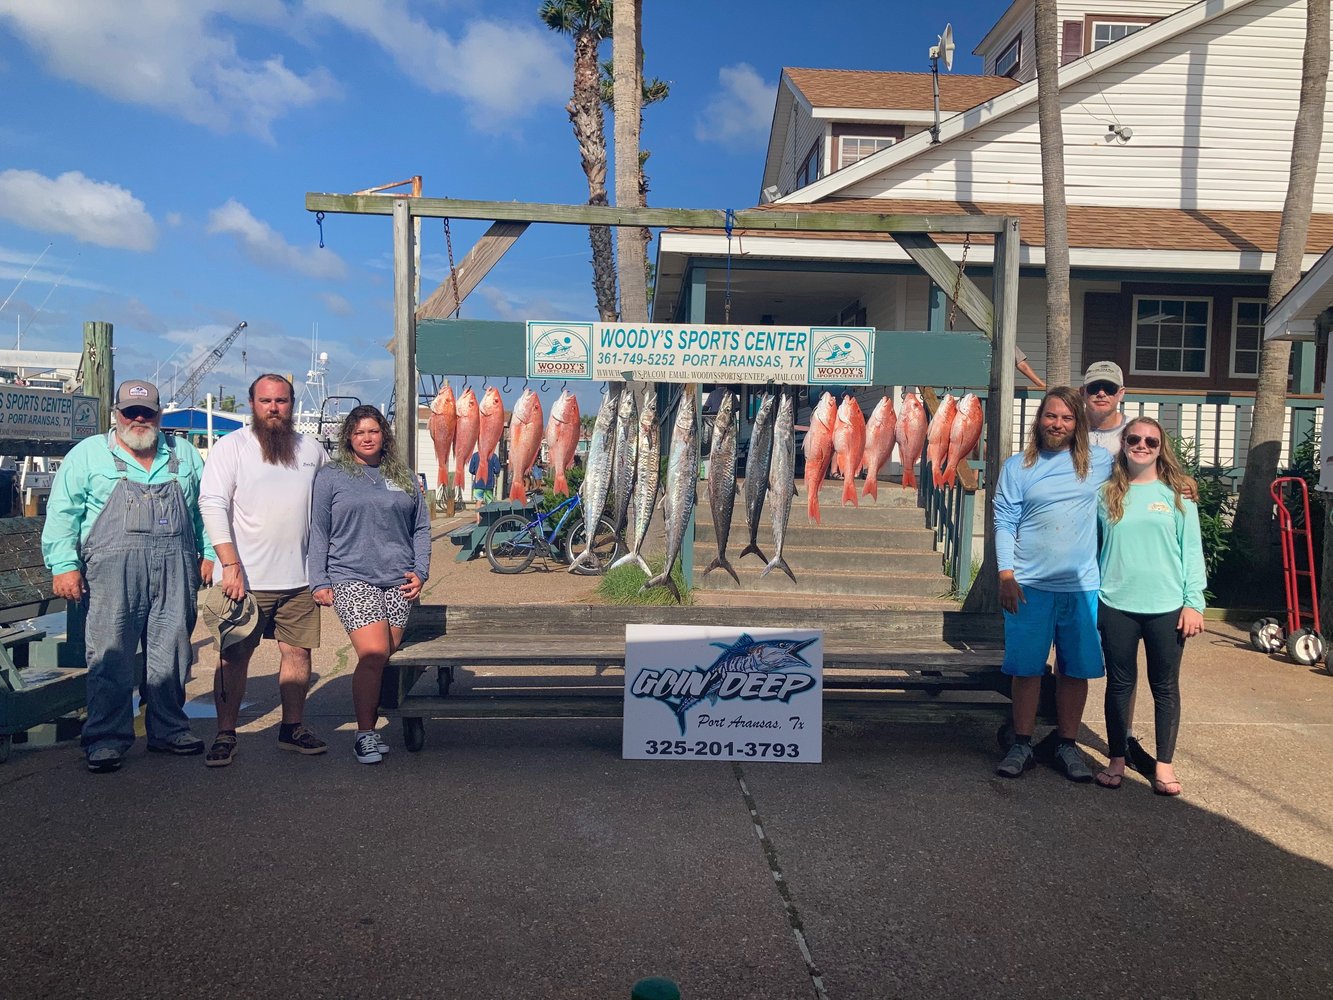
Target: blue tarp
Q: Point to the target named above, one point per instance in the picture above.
(197, 420)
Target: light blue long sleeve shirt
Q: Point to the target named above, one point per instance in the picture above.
(1046, 520)
(1152, 558)
(84, 482)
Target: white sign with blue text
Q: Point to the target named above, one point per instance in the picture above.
(697, 692)
(666, 352)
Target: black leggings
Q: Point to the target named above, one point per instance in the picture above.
(1162, 641)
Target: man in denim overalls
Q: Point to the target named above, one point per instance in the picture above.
(123, 534)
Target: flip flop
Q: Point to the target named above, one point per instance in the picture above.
(1161, 787)
(1109, 780)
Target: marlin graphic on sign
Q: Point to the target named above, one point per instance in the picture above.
(745, 668)
(837, 352)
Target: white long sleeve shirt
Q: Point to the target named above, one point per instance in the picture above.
(264, 510)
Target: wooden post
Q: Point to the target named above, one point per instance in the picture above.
(98, 370)
(404, 334)
(985, 593)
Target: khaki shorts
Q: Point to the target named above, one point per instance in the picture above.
(290, 616)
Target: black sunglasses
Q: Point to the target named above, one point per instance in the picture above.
(1109, 388)
(1149, 440)
(137, 412)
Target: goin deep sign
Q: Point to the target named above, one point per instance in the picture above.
(704, 693)
(666, 352)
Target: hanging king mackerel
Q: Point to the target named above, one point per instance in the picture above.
(682, 480)
(756, 472)
(622, 461)
(645, 480)
(597, 476)
(722, 481)
(782, 479)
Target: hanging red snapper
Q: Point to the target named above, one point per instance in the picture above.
(937, 437)
(911, 435)
(849, 444)
(964, 435)
(465, 433)
(491, 425)
(818, 450)
(443, 419)
(879, 443)
(525, 440)
(562, 438)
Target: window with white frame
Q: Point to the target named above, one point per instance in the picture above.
(1006, 63)
(809, 172)
(1106, 32)
(857, 147)
(1247, 336)
(1171, 335)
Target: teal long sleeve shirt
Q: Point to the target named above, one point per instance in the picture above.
(1152, 558)
(84, 482)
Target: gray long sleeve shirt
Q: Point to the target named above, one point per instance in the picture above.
(364, 528)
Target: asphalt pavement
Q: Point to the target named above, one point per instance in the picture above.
(524, 858)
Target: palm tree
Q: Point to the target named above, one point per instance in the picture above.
(1254, 508)
(627, 62)
(588, 22)
(1058, 362)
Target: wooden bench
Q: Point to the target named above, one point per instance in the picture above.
(33, 688)
(568, 660)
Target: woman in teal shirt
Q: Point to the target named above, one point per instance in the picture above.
(1152, 582)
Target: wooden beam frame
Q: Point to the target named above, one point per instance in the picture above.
(471, 270)
(997, 316)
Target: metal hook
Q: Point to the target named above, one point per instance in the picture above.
(604, 387)
(562, 387)
(465, 378)
(543, 385)
(506, 386)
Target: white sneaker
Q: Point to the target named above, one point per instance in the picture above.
(380, 745)
(367, 749)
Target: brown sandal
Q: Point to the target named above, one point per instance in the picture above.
(1109, 779)
(1161, 787)
(222, 751)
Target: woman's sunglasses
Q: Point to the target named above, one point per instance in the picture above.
(1135, 439)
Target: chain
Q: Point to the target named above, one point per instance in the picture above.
(453, 271)
(730, 221)
(319, 221)
(958, 281)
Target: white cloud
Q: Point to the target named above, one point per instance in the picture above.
(173, 219)
(173, 56)
(267, 248)
(499, 70)
(336, 304)
(742, 110)
(92, 211)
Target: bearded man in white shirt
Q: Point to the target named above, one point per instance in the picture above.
(255, 501)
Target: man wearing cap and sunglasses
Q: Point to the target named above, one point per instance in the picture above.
(1103, 392)
(123, 533)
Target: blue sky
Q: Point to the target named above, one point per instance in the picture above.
(158, 152)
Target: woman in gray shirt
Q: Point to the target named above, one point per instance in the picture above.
(369, 555)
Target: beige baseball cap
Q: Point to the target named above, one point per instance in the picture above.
(1104, 371)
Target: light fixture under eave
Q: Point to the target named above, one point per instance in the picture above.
(770, 193)
(944, 49)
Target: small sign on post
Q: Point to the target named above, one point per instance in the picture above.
(703, 693)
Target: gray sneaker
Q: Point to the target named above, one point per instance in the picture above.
(1016, 761)
(104, 760)
(1069, 762)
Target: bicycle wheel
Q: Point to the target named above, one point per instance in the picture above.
(605, 546)
(511, 544)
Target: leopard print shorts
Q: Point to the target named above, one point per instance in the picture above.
(360, 604)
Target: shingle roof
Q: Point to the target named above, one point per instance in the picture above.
(1090, 226)
(854, 88)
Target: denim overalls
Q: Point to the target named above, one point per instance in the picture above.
(141, 564)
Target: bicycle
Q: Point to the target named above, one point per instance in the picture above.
(514, 541)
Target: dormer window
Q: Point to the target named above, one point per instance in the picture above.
(857, 147)
(1006, 63)
(1104, 32)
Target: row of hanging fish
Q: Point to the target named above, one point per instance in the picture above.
(462, 425)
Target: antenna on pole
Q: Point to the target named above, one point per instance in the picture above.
(944, 49)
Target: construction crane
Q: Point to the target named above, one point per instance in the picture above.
(192, 381)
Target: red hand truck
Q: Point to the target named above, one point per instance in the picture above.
(1304, 645)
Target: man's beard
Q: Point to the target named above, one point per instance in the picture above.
(136, 438)
(278, 440)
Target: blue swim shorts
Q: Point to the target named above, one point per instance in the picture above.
(1066, 619)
